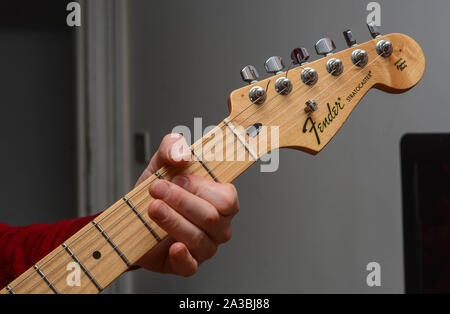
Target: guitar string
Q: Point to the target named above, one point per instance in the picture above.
(225, 170)
(325, 89)
(265, 114)
(140, 189)
(102, 245)
(194, 171)
(202, 140)
(137, 192)
(120, 244)
(99, 235)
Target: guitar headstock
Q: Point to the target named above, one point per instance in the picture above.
(321, 100)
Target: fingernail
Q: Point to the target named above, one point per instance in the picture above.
(180, 155)
(181, 253)
(159, 189)
(181, 181)
(159, 213)
(180, 151)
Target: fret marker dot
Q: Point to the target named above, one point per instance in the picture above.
(97, 255)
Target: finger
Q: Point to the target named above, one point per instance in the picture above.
(173, 151)
(223, 196)
(198, 211)
(182, 230)
(181, 261)
(153, 259)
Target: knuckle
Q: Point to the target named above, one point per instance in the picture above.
(212, 219)
(230, 197)
(172, 195)
(200, 242)
(171, 223)
(175, 197)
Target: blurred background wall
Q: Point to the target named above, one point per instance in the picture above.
(144, 67)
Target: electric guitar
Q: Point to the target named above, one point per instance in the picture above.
(302, 108)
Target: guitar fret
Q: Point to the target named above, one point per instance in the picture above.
(153, 232)
(111, 242)
(77, 260)
(10, 290)
(44, 277)
(205, 166)
(241, 139)
(159, 176)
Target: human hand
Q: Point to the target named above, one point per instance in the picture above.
(195, 211)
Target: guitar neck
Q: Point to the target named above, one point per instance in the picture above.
(114, 241)
(299, 113)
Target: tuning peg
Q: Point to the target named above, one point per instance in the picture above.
(374, 30)
(325, 47)
(274, 65)
(299, 56)
(349, 38)
(249, 74)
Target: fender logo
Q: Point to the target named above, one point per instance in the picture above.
(312, 126)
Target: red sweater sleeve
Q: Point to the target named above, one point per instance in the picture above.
(22, 247)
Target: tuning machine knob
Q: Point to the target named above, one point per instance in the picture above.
(257, 95)
(335, 66)
(274, 65)
(249, 74)
(360, 58)
(300, 56)
(384, 48)
(283, 86)
(309, 76)
(349, 38)
(374, 30)
(325, 47)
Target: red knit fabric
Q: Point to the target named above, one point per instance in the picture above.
(22, 247)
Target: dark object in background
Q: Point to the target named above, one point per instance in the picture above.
(38, 120)
(426, 212)
(25, 14)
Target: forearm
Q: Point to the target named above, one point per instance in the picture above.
(22, 247)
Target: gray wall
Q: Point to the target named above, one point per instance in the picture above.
(315, 224)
